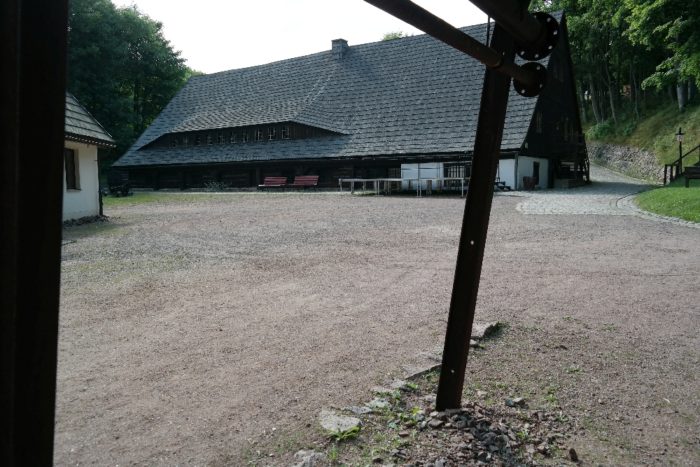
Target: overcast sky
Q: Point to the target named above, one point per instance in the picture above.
(216, 35)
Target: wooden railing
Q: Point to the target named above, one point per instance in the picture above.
(675, 169)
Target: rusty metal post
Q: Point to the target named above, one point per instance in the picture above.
(487, 147)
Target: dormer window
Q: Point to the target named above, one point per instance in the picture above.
(271, 133)
(286, 134)
(258, 135)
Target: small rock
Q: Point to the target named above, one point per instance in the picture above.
(480, 394)
(429, 398)
(309, 458)
(573, 455)
(441, 463)
(543, 449)
(378, 403)
(483, 330)
(404, 434)
(399, 384)
(515, 402)
(359, 410)
(435, 423)
(335, 423)
(416, 371)
(487, 438)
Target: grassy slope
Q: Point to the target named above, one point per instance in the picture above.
(656, 133)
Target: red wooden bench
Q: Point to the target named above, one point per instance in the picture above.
(305, 181)
(273, 182)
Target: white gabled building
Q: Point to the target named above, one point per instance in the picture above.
(83, 136)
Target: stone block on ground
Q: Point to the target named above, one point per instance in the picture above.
(335, 423)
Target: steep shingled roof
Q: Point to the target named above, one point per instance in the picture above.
(408, 96)
(82, 127)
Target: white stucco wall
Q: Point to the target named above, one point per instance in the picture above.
(525, 167)
(85, 201)
(427, 171)
(506, 171)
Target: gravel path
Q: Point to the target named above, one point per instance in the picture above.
(213, 330)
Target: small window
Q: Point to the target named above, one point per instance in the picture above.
(538, 122)
(394, 172)
(210, 140)
(286, 133)
(71, 166)
(198, 140)
(271, 133)
(185, 140)
(258, 135)
(220, 139)
(244, 137)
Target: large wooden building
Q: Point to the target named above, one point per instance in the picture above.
(361, 111)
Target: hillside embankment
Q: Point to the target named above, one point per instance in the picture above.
(635, 162)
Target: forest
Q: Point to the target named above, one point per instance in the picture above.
(121, 68)
(631, 56)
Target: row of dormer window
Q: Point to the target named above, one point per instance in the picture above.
(270, 133)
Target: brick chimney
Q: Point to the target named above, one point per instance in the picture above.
(339, 47)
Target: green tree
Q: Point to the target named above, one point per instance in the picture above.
(121, 67)
(674, 26)
(390, 36)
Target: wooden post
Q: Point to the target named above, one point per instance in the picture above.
(494, 101)
(32, 92)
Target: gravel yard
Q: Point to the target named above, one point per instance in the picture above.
(212, 329)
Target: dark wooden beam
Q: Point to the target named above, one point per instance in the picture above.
(475, 223)
(32, 107)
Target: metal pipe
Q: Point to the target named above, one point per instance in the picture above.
(427, 22)
(512, 15)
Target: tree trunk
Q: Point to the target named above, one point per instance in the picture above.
(682, 92)
(594, 102)
(582, 104)
(634, 91)
(692, 89)
(611, 94)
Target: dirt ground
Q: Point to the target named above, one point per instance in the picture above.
(211, 329)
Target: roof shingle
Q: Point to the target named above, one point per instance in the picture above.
(82, 127)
